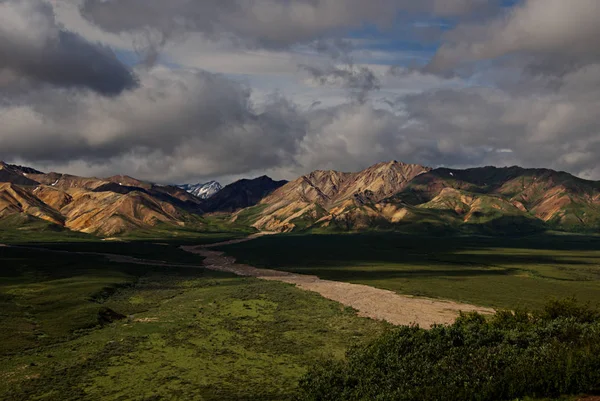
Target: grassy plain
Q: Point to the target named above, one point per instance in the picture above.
(74, 326)
(490, 271)
(77, 327)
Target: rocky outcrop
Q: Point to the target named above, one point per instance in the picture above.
(16, 200)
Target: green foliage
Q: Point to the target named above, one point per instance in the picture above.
(569, 308)
(77, 327)
(48, 297)
(513, 355)
(496, 224)
(202, 227)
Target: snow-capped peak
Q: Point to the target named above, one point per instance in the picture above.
(202, 191)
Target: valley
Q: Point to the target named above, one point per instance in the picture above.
(116, 288)
(299, 200)
(78, 327)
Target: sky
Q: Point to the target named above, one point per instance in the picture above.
(185, 91)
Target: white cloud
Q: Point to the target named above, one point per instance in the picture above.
(227, 98)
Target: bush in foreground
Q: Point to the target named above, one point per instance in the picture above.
(511, 355)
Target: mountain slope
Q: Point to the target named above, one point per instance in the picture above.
(111, 213)
(556, 198)
(241, 194)
(397, 195)
(386, 196)
(14, 175)
(167, 193)
(322, 196)
(109, 206)
(16, 200)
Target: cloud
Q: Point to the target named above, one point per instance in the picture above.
(353, 136)
(263, 23)
(34, 47)
(359, 80)
(558, 130)
(519, 87)
(180, 126)
(550, 35)
(181, 122)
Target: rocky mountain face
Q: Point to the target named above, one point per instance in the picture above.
(557, 199)
(14, 175)
(392, 195)
(17, 200)
(241, 194)
(322, 196)
(108, 206)
(118, 204)
(202, 191)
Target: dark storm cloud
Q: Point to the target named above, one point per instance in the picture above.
(34, 47)
(196, 120)
(359, 80)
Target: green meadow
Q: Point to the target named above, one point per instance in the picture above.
(77, 327)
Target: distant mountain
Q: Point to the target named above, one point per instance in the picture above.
(387, 196)
(482, 195)
(397, 195)
(108, 206)
(241, 194)
(319, 197)
(202, 191)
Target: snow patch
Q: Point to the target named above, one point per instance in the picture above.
(202, 191)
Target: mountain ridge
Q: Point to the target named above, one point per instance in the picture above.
(397, 195)
(242, 194)
(387, 195)
(101, 206)
(324, 193)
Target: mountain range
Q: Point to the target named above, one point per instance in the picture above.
(396, 195)
(385, 196)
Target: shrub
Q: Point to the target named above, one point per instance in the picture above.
(511, 355)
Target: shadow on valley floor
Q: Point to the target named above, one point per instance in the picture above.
(498, 272)
(361, 249)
